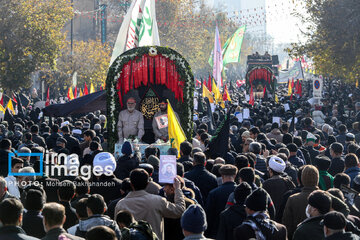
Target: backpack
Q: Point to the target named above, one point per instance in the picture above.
(140, 230)
(265, 227)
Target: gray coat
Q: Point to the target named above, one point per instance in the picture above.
(130, 123)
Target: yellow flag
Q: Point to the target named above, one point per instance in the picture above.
(92, 89)
(81, 93)
(176, 133)
(357, 83)
(276, 98)
(227, 95)
(217, 94)
(207, 93)
(2, 109)
(70, 94)
(10, 107)
(289, 89)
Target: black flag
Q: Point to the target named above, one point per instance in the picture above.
(219, 143)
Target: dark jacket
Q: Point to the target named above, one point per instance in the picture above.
(51, 140)
(71, 143)
(54, 234)
(106, 186)
(198, 196)
(260, 164)
(14, 233)
(229, 219)
(352, 172)
(276, 187)
(215, 204)
(343, 236)
(33, 224)
(38, 140)
(125, 164)
(341, 138)
(70, 212)
(294, 212)
(203, 179)
(296, 161)
(313, 153)
(184, 159)
(270, 229)
(98, 220)
(310, 229)
(4, 162)
(337, 166)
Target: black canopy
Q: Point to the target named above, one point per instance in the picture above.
(85, 104)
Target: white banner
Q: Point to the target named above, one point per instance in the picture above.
(138, 29)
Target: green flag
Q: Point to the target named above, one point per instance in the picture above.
(232, 47)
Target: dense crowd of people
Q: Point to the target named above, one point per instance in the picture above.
(294, 179)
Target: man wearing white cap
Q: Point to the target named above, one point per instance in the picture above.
(277, 185)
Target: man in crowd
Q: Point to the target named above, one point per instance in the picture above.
(149, 207)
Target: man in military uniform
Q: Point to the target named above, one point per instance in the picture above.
(131, 122)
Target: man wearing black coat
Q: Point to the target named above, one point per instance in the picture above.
(33, 220)
(5, 149)
(11, 211)
(72, 143)
(185, 151)
(202, 178)
(217, 198)
(337, 161)
(233, 216)
(66, 192)
(35, 136)
(51, 140)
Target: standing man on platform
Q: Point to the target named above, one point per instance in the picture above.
(130, 122)
(160, 122)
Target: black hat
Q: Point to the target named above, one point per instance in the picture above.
(163, 100)
(257, 200)
(334, 220)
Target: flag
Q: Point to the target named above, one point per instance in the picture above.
(209, 117)
(292, 83)
(264, 91)
(47, 103)
(139, 28)
(2, 109)
(70, 94)
(86, 92)
(226, 95)
(219, 143)
(176, 133)
(232, 47)
(357, 83)
(218, 96)
(14, 99)
(251, 100)
(75, 92)
(92, 89)
(10, 107)
(81, 93)
(299, 89)
(289, 88)
(239, 83)
(209, 84)
(276, 98)
(218, 61)
(2, 99)
(207, 93)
